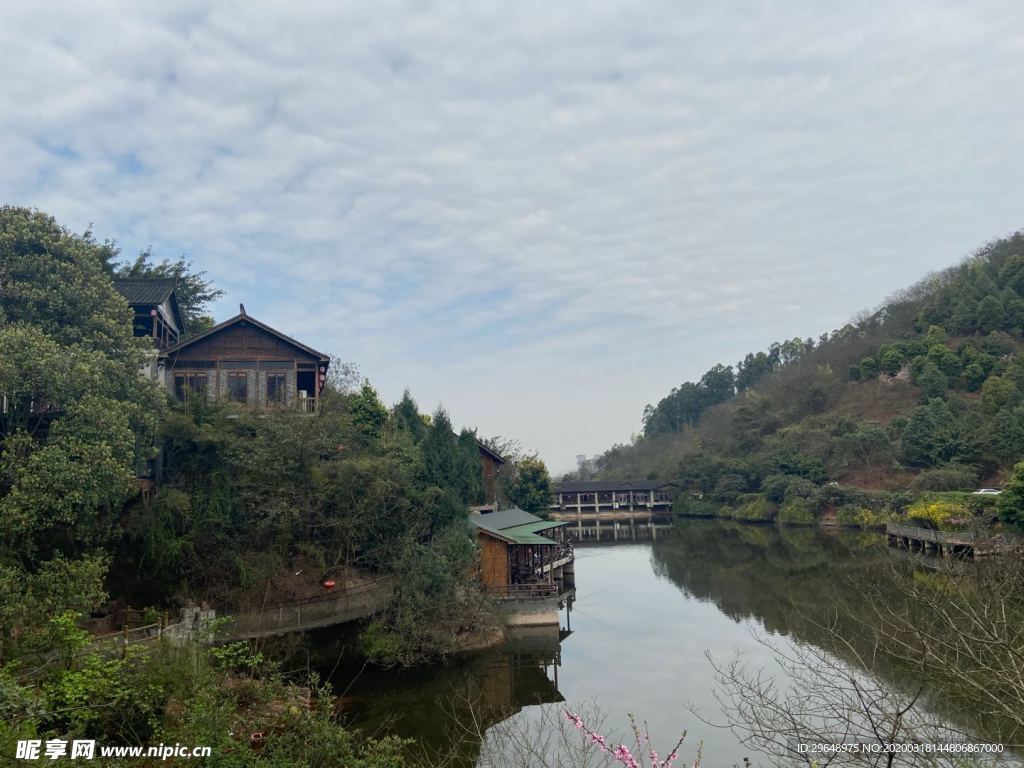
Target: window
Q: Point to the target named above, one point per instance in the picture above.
(188, 386)
(276, 387)
(238, 387)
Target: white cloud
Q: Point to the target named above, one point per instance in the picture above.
(544, 216)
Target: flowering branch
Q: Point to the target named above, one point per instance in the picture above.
(623, 754)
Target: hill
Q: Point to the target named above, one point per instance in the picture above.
(925, 393)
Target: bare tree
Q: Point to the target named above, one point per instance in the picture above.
(953, 638)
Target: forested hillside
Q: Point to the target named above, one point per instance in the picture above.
(252, 507)
(924, 394)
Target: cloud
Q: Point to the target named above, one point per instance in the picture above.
(543, 216)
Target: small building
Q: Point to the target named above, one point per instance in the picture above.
(155, 307)
(245, 361)
(614, 500)
(522, 555)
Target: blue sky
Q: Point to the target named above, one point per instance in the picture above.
(542, 216)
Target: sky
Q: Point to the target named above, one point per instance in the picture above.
(542, 216)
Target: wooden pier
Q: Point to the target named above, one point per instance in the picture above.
(960, 544)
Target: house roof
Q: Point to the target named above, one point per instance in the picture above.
(489, 452)
(515, 526)
(542, 525)
(151, 292)
(144, 290)
(505, 518)
(603, 486)
(242, 316)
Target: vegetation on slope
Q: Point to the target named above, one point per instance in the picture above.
(924, 394)
(253, 507)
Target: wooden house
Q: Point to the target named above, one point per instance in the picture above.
(522, 555)
(245, 361)
(155, 307)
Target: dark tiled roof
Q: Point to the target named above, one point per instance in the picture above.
(249, 319)
(604, 486)
(145, 291)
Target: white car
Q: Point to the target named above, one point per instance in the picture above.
(986, 492)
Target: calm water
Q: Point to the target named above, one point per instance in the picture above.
(645, 616)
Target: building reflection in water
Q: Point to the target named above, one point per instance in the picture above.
(436, 704)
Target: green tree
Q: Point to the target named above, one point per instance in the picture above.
(1007, 435)
(973, 377)
(442, 463)
(891, 361)
(868, 368)
(867, 446)
(367, 411)
(470, 468)
(80, 421)
(531, 487)
(1011, 500)
(406, 415)
(932, 382)
(990, 315)
(930, 437)
(997, 393)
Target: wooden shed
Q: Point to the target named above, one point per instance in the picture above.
(521, 555)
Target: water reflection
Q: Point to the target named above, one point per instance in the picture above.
(446, 706)
(645, 615)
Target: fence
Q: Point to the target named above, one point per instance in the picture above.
(540, 589)
(335, 608)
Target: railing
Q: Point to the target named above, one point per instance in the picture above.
(562, 556)
(321, 611)
(307, 404)
(930, 534)
(509, 591)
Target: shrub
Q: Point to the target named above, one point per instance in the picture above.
(1011, 501)
(939, 514)
(952, 477)
(868, 368)
(796, 512)
(853, 515)
(891, 361)
(973, 377)
(693, 506)
(754, 506)
(898, 502)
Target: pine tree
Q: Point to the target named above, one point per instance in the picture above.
(406, 415)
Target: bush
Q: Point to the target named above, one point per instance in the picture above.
(952, 477)
(868, 368)
(1011, 501)
(796, 512)
(755, 507)
(939, 514)
(898, 503)
(891, 361)
(691, 506)
(853, 515)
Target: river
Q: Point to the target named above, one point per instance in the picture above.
(644, 619)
